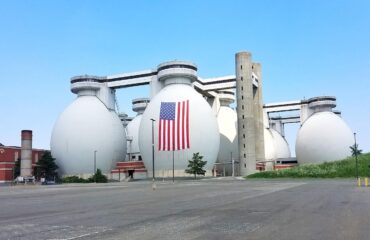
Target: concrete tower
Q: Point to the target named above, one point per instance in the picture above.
(250, 112)
(26, 153)
(258, 113)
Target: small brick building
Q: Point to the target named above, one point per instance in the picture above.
(8, 156)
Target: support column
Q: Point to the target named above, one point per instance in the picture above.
(245, 111)
(258, 114)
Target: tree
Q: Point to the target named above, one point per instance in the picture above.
(354, 150)
(46, 167)
(196, 165)
(17, 168)
(98, 177)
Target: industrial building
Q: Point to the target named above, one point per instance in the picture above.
(186, 114)
(26, 154)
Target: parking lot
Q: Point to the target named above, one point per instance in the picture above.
(203, 209)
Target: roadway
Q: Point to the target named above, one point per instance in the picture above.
(204, 209)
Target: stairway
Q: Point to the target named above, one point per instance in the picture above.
(122, 170)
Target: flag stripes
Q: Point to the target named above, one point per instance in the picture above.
(173, 129)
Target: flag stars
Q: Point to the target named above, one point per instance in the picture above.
(168, 110)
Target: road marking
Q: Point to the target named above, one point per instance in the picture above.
(52, 232)
(81, 236)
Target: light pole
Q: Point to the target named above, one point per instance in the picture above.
(95, 166)
(173, 165)
(232, 164)
(130, 152)
(355, 149)
(153, 184)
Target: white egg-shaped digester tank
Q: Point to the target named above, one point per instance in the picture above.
(324, 136)
(133, 151)
(88, 129)
(227, 123)
(275, 145)
(196, 114)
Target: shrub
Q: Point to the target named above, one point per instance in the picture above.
(339, 169)
(75, 179)
(98, 177)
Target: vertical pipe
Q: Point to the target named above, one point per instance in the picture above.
(245, 111)
(26, 153)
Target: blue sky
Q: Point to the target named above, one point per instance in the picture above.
(306, 48)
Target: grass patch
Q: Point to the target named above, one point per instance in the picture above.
(339, 169)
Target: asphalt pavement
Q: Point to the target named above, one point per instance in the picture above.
(202, 209)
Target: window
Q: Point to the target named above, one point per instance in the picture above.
(243, 116)
(242, 88)
(243, 135)
(245, 155)
(241, 78)
(241, 66)
(242, 97)
(243, 126)
(244, 145)
(243, 109)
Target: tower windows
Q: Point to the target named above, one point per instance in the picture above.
(243, 109)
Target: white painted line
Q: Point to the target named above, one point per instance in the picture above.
(83, 235)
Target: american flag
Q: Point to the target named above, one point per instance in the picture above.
(174, 126)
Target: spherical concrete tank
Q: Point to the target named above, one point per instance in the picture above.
(195, 128)
(275, 145)
(133, 150)
(323, 137)
(87, 130)
(227, 122)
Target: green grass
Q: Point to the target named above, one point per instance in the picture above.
(339, 169)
